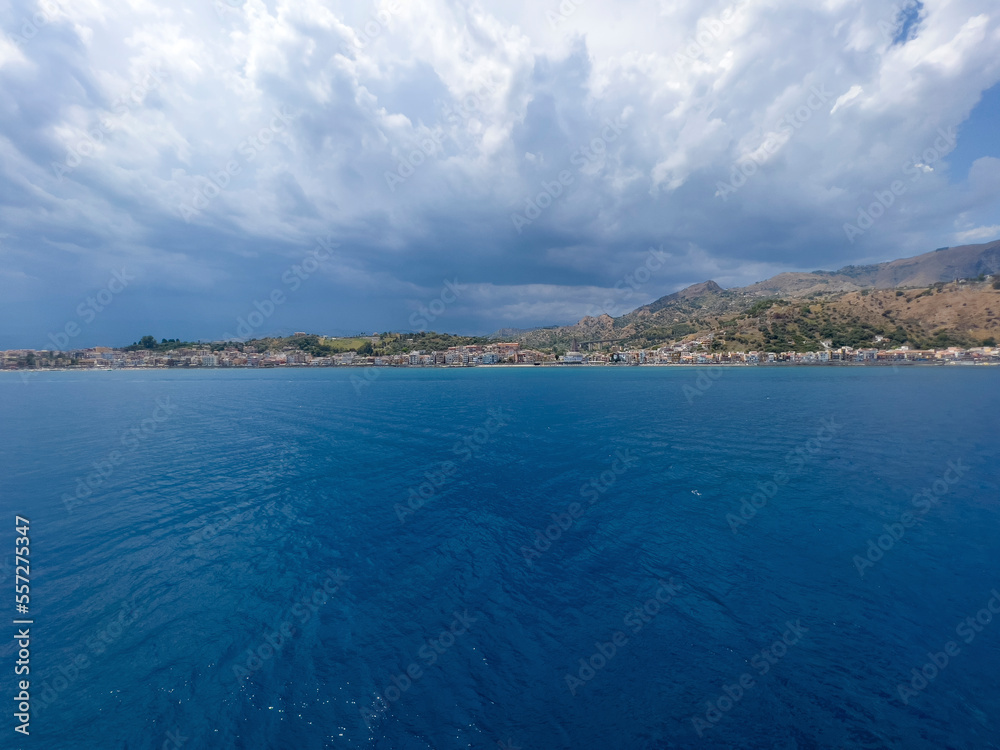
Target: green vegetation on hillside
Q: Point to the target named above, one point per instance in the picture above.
(760, 306)
(149, 343)
(320, 346)
(400, 343)
(733, 321)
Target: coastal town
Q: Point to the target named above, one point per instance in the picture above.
(227, 354)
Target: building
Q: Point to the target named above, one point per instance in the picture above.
(508, 351)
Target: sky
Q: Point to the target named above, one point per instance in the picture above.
(239, 168)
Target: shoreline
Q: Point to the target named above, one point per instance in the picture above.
(546, 365)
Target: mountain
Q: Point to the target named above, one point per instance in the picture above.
(799, 310)
(693, 292)
(945, 264)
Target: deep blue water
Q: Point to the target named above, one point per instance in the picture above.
(245, 491)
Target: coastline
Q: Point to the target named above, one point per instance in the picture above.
(544, 365)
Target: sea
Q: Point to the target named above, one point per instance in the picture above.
(500, 557)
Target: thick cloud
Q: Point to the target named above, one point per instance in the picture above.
(534, 153)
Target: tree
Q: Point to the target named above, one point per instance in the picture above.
(147, 342)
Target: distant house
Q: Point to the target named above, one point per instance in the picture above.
(508, 350)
